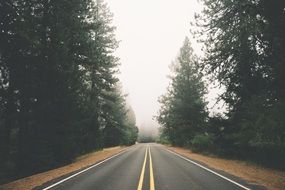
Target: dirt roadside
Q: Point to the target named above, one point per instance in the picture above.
(254, 174)
(81, 162)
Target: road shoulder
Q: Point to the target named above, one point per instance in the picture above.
(253, 174)
(80, 163)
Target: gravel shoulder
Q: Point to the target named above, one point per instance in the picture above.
(81, 162)
(252, 173)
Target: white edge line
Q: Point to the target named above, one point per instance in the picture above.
(90, 167)
(199, 165)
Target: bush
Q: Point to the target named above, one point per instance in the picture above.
(202, 142)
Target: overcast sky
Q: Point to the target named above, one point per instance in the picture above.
(151, 33)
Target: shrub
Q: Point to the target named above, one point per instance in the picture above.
(202, 142)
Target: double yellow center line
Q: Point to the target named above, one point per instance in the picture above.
(140, 185)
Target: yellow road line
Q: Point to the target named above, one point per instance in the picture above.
(142, 173)
(151, 172)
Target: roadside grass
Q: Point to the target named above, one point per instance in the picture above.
(271, 179)
(81, 162)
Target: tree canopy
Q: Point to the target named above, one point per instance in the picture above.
(58, 84)
(244, 53)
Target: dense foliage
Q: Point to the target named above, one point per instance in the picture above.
(244, 52)
(59, 95)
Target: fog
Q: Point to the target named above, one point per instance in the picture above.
(150, 34)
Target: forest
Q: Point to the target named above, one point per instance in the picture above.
(244, 54)
(60, 96)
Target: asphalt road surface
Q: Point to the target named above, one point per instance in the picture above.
(149, 167)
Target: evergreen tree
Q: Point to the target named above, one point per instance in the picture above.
(183, 113)
(243, 52)
(120, 125)
(57, 72)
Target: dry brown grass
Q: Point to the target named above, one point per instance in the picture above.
(252, 173)
(41, 178)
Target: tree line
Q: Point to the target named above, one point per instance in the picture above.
(59, 92)
(244, 45)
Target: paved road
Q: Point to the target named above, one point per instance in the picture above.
(149, 167)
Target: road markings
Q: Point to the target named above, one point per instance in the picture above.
(151, 171)
(151, 178)
(142, 172)
(203, 167)
(76, 174)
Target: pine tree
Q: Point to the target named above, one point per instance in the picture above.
(57, 71)
(119, 122)
(243, 52)
(183, 112)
